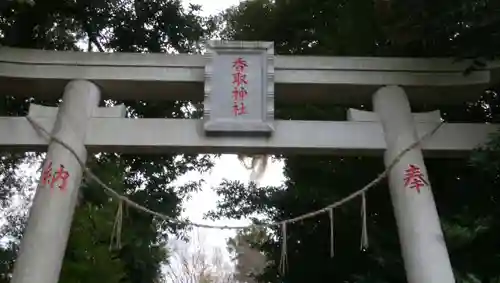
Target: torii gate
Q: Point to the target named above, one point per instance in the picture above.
(230, 75)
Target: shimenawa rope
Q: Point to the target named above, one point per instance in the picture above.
(284, 258)
(126, 200)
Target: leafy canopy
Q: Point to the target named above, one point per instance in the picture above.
(465, 192)
(115, 26)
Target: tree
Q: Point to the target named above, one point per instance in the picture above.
(249, 261)
(117, 25)
(197, 265)
(464, 196)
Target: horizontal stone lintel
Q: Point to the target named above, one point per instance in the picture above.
(298, 79)
(290, 137)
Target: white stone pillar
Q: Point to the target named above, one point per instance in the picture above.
(45, 238)
(422, 243)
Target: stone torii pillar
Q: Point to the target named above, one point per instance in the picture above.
(422, 243)
(46, 235)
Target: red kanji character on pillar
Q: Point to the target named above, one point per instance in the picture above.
(240, 64)
(47, 174)
(60, 175)
(414, 178)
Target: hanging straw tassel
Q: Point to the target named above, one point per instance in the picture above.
(42, 165)
(258, 165)
(116, 233)
(259, 168)
(330, 215)
(284, 256)
(364, 231)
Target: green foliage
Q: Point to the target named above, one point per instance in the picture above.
(88, 256)
(117, 25)
(466, 194)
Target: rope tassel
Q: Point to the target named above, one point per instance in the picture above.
(364, 230)
(330, 215)
(116, 233)
(284, 256)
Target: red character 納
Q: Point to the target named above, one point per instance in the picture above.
(414, 178)
(47, 174)
(61, 175)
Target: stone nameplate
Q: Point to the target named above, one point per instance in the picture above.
(239, 88)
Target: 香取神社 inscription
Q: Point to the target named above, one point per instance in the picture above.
(238, 83)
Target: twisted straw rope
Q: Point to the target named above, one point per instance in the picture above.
(42, 131)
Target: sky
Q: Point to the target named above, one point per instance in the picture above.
(211, 7)
(227, 167)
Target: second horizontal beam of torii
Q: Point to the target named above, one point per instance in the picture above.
(140, 136)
